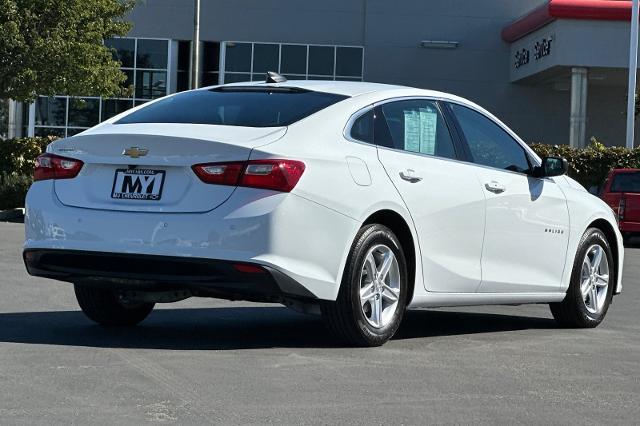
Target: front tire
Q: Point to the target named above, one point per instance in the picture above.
(372, 297)
(106, 307)
(592, 281)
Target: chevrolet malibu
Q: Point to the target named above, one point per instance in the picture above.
(355, 201)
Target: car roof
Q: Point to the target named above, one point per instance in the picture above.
(346, 88)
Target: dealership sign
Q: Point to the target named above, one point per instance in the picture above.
(540, 48)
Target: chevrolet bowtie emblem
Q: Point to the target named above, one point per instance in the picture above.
(135, 152)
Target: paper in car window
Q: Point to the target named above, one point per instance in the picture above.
(420, 130)
(412, 131)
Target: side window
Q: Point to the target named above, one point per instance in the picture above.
(415, 126)
(489, 144)
(362, 128)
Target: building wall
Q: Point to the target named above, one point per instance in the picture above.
(479, 69)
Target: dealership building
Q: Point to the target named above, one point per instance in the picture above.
(553, 70)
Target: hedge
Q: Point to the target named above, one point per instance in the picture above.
(17, 158)
(590, 165)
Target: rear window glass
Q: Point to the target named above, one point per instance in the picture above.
(626, 182)
(247, 107)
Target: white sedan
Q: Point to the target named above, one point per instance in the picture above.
(353, 200)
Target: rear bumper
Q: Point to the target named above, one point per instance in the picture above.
(286, 233)
(202, 277)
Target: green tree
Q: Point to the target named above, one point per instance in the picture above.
(50, 47)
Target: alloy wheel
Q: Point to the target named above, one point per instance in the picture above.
(594, 279)
(380, 286)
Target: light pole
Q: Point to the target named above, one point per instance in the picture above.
(195, 53)
(633, 70)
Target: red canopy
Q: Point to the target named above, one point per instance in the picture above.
(608, 10)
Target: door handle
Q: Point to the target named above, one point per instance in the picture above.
(409, 176)
(495, 187)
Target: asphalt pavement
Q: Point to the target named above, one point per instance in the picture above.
(208, 361)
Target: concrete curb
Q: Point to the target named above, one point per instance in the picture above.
(12, 215)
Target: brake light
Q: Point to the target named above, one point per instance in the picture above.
(621, 208)
(277, 175)
(51, 166)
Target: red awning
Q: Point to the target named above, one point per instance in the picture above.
(607, 10)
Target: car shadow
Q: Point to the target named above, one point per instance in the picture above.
(633, 243)
(235, 328)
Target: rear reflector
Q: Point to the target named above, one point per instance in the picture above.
(278, 175)
(50, 166)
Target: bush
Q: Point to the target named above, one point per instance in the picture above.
(590, 165)
(18, 155)
(13, 190)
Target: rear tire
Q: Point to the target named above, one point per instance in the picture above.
(373, 292)
(592, 281)
(106, 308)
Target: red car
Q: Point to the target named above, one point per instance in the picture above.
(621, 191)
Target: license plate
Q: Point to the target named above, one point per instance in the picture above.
(138, 184)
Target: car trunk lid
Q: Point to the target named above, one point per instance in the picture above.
(147, 167)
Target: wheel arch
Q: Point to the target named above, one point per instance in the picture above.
(609, 232)
(401, 229)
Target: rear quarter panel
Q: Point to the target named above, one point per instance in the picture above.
(331, 178)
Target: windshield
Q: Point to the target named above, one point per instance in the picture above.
(626, 182)
(235, 106)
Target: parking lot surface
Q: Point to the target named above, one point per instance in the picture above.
(208, 361)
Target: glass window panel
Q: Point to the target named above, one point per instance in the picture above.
(294, 77)
(319, 77)
(238, 57)
(417, 126)
(321, 60)
(294, 59)
(349, 61)
(348, 78)
(73, 132)
(184, 55)
(151, 84)
(129, 81)
(140, 102)
(265, 57)
(182, 83)
(83, 112)
(51, 111)
(488, 143)
(152, 54)
(209, 79)
(259, 107)
(48, 131)
(124, 50)
(113, 107)
(235, 78)
(210, 56)
(362, 128)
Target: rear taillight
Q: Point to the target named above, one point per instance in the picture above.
(219, 173)
(621, 208)
(278, 175)
(50, 166)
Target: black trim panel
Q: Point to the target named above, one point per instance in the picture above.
(203, 277)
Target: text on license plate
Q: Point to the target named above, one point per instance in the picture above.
(138, 184)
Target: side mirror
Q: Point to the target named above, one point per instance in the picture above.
(551, 166)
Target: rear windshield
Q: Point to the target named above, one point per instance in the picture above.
(626, 182)
(247, 107)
